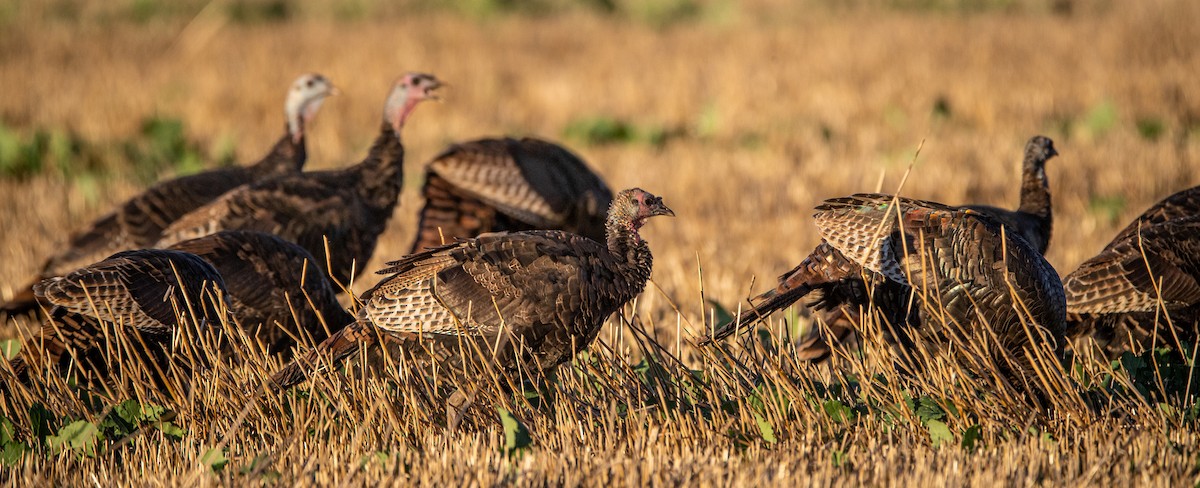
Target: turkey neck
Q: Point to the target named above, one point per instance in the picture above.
(382, 171)
(1035, 194)
(286, 156)
(631, 252)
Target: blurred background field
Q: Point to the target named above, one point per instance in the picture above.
(741, 115)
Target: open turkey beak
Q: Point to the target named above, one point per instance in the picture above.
(431, 91)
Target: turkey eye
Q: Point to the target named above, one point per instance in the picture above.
(310, 83)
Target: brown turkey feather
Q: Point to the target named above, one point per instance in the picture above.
(1118, 292)
(275, 288)
(963, 272)
(146, 293)
(530, 300)
(492, 185)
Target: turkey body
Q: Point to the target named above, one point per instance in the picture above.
(493, 185)
(152, 294)
(1147, 278)
(275, 288)
(841, 303)
(520, 301)
(967, 277)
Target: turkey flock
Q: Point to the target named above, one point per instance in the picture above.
(522, 252)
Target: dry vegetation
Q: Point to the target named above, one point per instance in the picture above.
(744, 117)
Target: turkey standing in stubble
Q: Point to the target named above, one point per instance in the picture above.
(494, 185)
(276, 289)
(970, 281)
(839, 303)
(139, 222)
(526, 300)
(1146, 278)
(154, 292)
(349, 207)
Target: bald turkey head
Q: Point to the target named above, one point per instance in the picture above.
(632, 207)
(409, 90)
(303, 101)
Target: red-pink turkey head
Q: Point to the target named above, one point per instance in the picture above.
(303, 101)
(409, 90)
(636, 205)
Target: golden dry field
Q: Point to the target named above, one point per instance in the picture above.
(742, 116)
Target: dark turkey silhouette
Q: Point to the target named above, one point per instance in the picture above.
(1032, 219)
(275, 288)
(493, 185)
(530, 299)
(1114, 298)
(151, 291)
(139, 222)
(955, 265)
(349, 207)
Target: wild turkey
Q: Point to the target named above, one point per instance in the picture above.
(530, 299)
(1032, 219)
(492, 185)
(839, 304)
(275, 288)
(959, 298)
(349, 207)
(151, 291)
(139, 222)
(1114, 298)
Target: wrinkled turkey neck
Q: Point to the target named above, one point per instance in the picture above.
(626, 244)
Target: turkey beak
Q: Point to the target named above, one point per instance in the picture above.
(431, 91)
(659, 208)
(333, 91)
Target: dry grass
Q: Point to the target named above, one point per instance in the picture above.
(781, 106)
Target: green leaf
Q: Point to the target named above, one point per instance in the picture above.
(13, 452)
(765, 429)
(8, 432)
(928, 409)
(171, 430)
(10, 348)
(839, 458)
(380, 457)
(40, 421)
(516, 436)
(838, 411)
(215, 459)
(939, 432)
(79, 436)
(971, 438)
